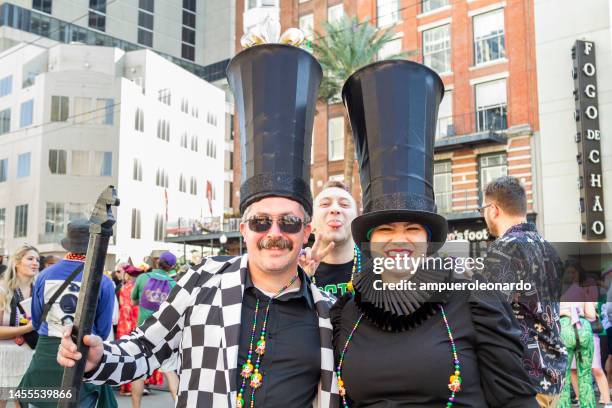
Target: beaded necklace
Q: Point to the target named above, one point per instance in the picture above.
(248, 371)
(70, 256)
(454, 384)
(356, 268)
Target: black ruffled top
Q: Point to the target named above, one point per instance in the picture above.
(400, 356)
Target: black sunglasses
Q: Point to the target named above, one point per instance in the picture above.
(289, 224)
(481, 209)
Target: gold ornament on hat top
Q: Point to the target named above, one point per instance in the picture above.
(268, 32)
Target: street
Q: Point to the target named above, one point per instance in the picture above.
(158, 398)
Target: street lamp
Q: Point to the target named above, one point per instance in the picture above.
(223, 239)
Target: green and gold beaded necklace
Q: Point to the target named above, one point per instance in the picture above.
(250, 371)
(454, 384)
(455, 380)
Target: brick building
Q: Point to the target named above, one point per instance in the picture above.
(488, 119)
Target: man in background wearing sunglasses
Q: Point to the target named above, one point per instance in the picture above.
(251, 330)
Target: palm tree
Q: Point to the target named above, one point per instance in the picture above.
(347, 45)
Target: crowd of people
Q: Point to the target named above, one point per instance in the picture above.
(289, 325)
(38, 298)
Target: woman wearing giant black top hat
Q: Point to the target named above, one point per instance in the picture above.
(410, 348)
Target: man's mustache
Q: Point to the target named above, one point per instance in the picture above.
(277, 242)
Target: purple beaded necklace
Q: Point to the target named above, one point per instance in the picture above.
(454, 384)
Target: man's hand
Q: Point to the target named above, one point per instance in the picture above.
(68, 354)
(310, 258)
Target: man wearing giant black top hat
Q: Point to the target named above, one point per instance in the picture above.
(250, 330)
(400, 346)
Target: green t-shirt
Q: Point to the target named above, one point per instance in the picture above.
(141, 281)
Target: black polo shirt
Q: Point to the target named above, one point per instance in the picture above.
(291, 364)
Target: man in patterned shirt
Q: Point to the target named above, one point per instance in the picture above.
(520, 253)
(249, 330)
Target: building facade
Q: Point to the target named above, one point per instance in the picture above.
(573, 97)
(77, 118)
(192, 31)
(488, 120)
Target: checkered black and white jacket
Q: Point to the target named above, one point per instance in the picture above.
(201, 321)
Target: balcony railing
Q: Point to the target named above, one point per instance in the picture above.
(493, 120)
(201, 226)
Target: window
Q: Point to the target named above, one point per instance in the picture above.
(78, 210)
(104, 112)
(5, 121)
(188, 52)
(335, 13)
(491, 106)
(443, 188)
(194, 143)
(189, 35)
(492, 167)
(145, 37)
(103, 164)
(137, 171)
(387, 12)
(42, 5)
(59, 108)
(23, 165)
(189, 5)
(98, 5)
(182, 184)
(27, 111)
(161, 178)
(184, 105)
(21, 221)
(148, 5)
(80, 163)
(82, 110)
(445, 116)
(429, 5)
(390, 49)
(437, 48)
(189, 19)
(2, 223)
(159, 232)
(193, 186)
(164, 96)
(28, 79)
(145, 20)
(54, 219)
(135, 223)
(3, 170)
(57, 161)
(489, 42)
(335, 137)
(6, 85)
(139, 120)
(163, 130)
(184, 140)
(306, 24)
(97, 21)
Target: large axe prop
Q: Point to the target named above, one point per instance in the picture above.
(100, 231)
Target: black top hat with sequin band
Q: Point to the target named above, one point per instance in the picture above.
(275, 88)
(393, 109)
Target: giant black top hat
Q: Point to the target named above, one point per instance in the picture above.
(275, 88)
(393, 109)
